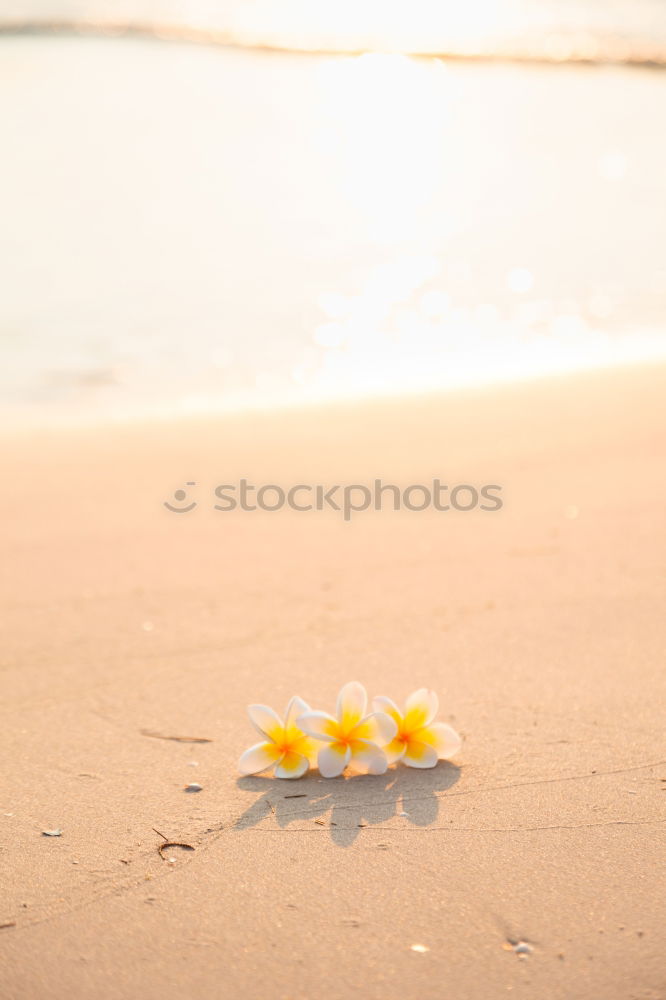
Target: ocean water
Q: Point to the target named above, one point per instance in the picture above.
(201, 227)
(537, 29)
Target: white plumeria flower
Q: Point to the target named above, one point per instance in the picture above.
(419, 741)
(285, 746)
(351, 736)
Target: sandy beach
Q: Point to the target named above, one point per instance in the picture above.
(541, 626)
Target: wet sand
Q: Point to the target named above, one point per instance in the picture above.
(541, 627)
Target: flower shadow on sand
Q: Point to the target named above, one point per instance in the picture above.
(348, 804)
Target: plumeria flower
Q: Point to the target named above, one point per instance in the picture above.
(419, 741)
(284, 747)
(350, 736)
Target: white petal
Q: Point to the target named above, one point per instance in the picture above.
(367, 757)
(394, 750)
(383, 704)
(420, 709)
(351, 706)
(321, 725)
(266, 721)
(295, 708)
(259, 758)
(419, 755)
(442, 737)
(333, 759)
(378, 727)
(292, 765)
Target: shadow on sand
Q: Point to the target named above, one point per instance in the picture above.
(345, 805)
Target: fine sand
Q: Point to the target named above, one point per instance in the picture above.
(541, 627)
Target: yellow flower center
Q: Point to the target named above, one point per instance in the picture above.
(285, 745)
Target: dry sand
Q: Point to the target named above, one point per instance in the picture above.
(541, 626)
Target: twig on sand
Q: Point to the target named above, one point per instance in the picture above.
(178, 739)
(170, 843)
(173, 843)
(7, 923)
(299, 795)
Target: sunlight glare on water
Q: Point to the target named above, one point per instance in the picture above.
(380, 24)
(219, 229)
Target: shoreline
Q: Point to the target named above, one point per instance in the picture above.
(603, 52)
(43, 418)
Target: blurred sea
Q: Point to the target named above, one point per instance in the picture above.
(618, 30)
(189, 228)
